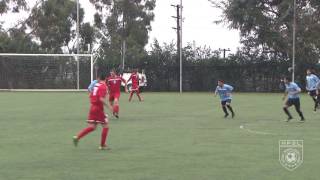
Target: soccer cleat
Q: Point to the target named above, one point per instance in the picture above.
(116, 115)
(233, 115)
(104, 148)
(302, 119)
(226, 115)
(289, 118)
(75, 141)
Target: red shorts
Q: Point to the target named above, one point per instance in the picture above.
(97, 115)
(135, 89)
(114, 96)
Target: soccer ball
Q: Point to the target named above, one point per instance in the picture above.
(290, 69)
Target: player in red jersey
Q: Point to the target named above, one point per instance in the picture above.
(96, 114)
(114, 84)
(135, 84)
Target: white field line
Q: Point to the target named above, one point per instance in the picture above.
(255, 132)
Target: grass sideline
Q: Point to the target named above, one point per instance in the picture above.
(169, 136)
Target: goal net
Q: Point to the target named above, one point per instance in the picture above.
(45, 71)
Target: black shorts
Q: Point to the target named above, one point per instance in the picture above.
(312, 93)
(294, 101)
(223, 103)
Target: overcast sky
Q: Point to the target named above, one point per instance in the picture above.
(198, 24)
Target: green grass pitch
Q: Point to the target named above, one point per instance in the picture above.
(167, 137)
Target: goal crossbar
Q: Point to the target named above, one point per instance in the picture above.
(58, 55)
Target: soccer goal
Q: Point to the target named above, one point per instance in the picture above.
(35, 72)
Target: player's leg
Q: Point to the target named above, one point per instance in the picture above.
(91, 127)
(111, 101)
(116, 107)
(224, 108)
(138, 94)
(131, 94)
(297, 106)
(285, 109)
(318, 100)
(313, 95)
(104, 135)
(230, 108)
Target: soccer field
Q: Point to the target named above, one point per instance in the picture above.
(167, 137)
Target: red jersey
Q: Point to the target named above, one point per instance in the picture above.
(99, 91)
(114, 84)
(135, 80)
(96, 113)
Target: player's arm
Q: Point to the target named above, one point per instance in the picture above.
(103, 99)
(91, 86)
(105, 103)
(216, 92)
(108, 85)
(230, 88)
(307, 84)
(125, 84)
(297, 91)
(285, 95)
(316, 81)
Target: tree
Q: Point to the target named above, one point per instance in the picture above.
(12, 5)
(266, 26)
(127, 20)
(52, 24)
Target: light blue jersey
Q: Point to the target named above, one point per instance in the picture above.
(291, 89)
(312, 82)
(224, 92)
(92, 84)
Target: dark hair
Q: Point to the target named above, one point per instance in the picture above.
(220, 80)
(288, 78)
(311, 70)
(102, 76)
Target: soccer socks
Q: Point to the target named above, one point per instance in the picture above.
(104, 135)
(300, 113)
(84, 132)
(116, 108)
(287, 112)
(230, 109)
(315, 103)
(225, 110)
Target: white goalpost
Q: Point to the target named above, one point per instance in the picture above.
(45, 72)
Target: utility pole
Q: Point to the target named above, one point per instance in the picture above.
(294, 39)
(123, 47)
(224, 52)
(179, 40)
(78, 47)
(181, 20)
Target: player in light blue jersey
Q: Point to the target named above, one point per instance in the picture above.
(292, 98)
(92, 84)
(312, 81)
(318, 92)
(224, 91)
